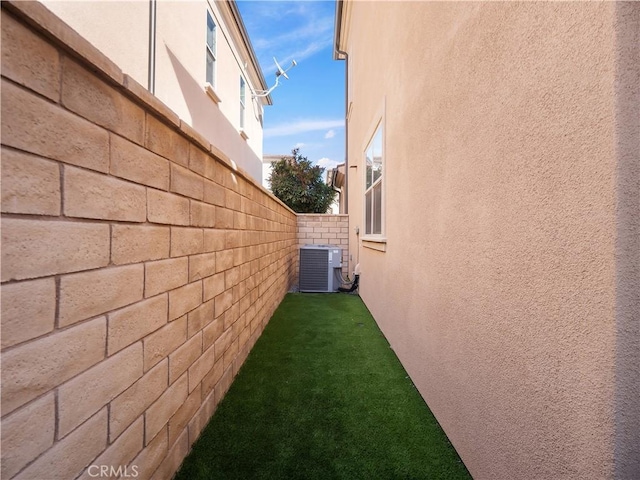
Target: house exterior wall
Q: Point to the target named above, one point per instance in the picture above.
(267, 168)
(139, 266)
(121, 31)
(498, 281)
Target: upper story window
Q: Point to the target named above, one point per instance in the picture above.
(211, 50)
(374, 157)
(242, 101)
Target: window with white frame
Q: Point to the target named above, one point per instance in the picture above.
(373, 184)
(242, 101)
(211, 51)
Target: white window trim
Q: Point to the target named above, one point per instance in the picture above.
(211, 92)
(210, 86)
(371, 240)
(375, 243)
(243, 105)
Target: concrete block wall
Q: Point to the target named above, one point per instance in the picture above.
(329, 229)
(138, 265)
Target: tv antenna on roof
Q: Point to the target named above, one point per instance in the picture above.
(280, 72)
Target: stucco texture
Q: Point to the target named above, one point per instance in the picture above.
(508, 175)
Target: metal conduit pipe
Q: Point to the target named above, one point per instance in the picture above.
(151, 83)
(346, 130)
(337, 53)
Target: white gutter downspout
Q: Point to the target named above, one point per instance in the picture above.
(338, 25)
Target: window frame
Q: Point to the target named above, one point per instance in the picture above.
(370, 232)
(243, 100)
(211, 51)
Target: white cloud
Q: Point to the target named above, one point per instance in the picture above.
(314, 28)
(313, 33)
(299, 55)
(299, 145)
(326, 163)
(301, 126)
(277, 10)
(330, 134)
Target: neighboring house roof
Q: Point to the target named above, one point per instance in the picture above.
(336, 176)
(273, 158)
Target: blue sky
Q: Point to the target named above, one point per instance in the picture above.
(308, 109)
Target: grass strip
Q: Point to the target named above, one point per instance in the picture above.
(322, 396)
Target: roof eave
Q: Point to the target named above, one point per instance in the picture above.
(252, 55)
(337, 31)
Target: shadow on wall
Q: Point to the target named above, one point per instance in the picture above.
(628, 244)
(207, 119)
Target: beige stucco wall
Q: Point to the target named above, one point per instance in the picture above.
(121, 31)
(139, 265)
(500, 285)
(627, 85)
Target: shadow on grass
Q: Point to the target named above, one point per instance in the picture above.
(322, 396)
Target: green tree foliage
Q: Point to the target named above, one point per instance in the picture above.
(298, 183)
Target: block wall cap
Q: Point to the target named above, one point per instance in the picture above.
(62, 36)
(195, 136)
(138, 92)
(42, 20)
(323, 215)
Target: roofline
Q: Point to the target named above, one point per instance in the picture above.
(337, 31)
(252, 54)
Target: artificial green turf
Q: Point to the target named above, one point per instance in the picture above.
(322, 396)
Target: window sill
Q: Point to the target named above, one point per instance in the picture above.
(211, 92)
(375, 243)
(243, 134)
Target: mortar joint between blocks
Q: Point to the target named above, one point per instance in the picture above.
(56, 410)
(56, 317)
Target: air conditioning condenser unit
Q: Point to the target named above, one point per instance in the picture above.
(318, 265)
